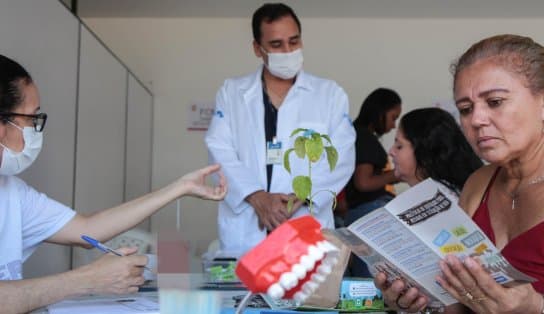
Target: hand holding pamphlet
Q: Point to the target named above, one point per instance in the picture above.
(410, 235)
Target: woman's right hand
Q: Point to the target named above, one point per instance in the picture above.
(112, 274)
(194, 183)
(397, 297)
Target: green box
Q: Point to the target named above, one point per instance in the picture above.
(360, 294)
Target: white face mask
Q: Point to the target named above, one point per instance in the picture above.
(285, 65)
(15, 162)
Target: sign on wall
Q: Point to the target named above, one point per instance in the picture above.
(199, 116)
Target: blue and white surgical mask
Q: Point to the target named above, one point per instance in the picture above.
(14, 162)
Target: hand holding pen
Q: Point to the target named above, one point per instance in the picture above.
(104, 248)
(111, 273)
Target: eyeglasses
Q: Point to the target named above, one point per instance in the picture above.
(38, 120)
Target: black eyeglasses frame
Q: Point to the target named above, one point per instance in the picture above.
(34, 117)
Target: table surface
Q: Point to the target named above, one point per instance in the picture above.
(181, 293)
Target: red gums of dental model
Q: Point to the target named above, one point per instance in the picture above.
(265, 263)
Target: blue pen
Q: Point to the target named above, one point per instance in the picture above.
(104, 248)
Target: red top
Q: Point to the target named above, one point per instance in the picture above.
(525, 252)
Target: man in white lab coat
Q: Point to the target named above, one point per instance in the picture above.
(251, 128)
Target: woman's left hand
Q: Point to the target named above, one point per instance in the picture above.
(471, 285)
(194, 183)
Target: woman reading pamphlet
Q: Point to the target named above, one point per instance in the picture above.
(499, 92)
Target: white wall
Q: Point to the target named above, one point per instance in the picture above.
(185, 60)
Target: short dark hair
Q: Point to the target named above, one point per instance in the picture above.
(374, 107)
(268, 13)
(12, 78)
(440, 148)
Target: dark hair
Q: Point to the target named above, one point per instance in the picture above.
(12, 77)
(440, 148)
(374, 108)
(518, 54)
(268, 13)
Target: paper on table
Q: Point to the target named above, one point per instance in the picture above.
(100, 305)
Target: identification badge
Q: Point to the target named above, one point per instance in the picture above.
(273, 153)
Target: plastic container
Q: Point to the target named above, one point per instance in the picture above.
(218, 267)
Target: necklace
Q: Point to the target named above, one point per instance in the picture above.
(515, 194)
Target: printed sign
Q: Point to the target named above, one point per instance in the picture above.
(199, 116)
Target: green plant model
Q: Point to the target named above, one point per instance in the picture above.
(310, 145)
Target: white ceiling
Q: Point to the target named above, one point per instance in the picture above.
(316, 8)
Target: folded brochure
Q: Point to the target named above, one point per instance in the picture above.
(408, 237)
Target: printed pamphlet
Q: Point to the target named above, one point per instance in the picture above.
(410, 235)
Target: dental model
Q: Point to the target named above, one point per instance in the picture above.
(291, 262)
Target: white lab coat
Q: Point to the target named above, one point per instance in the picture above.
(236, 140)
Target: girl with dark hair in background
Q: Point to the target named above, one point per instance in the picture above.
(430, 144)
(368, 188)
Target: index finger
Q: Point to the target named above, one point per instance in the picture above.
(484, 279)
(210, 169)
(138, 260)
(380, 281)
(285, 197)
(127, 250)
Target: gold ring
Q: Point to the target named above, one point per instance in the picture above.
(469, 296)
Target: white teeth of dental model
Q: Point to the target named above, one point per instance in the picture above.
(318, 278)
(307, 262)
(315, 252)
(323, 251)
(327, 247)
(309, 287)
(299, 271)
(324, 270)
(300, 296)
(275, 291)
(330, 260)
(288, 280)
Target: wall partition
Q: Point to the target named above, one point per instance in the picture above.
(93, 101)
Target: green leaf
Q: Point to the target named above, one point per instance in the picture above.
(290, 203)
(335, 200)
(332, 156)
(286, 163)
(314, 147)
(325, 136)
(302, 186)
(296, 131)
(300, 150)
